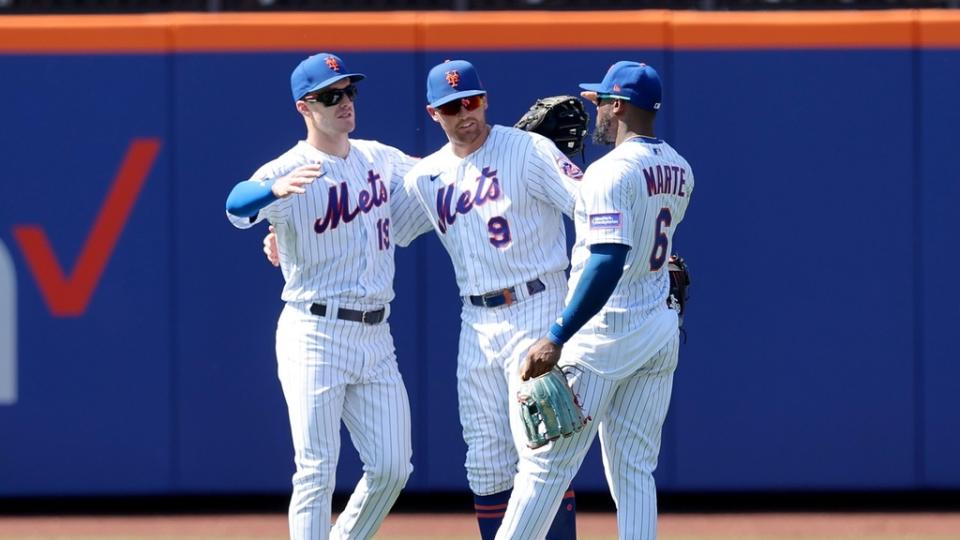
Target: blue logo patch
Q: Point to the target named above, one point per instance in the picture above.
(569, 168)
(605, 221)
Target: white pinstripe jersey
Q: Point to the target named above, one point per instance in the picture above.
(636, 195)
(497, 211)
(334, 240)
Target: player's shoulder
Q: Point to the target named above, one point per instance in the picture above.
(376, 149)
(282, 164)
(515, 136)
(612, 167)
(429, 166)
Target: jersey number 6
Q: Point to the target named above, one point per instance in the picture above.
(661, 242)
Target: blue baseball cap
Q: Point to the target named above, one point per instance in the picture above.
(452, 80)
(319, 71)
(631, 81)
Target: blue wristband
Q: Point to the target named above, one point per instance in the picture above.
(554, 334)
(249, 197)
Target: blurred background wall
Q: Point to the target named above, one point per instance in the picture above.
(137, 326)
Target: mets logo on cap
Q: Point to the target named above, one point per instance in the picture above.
(453, 78)
(333, 64)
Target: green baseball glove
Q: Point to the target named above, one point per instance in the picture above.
(549, 409)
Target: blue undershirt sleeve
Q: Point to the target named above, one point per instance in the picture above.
(247, 198)
(600, 277)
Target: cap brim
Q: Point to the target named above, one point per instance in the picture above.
(459, 95)
(591, 87)
(354, 77)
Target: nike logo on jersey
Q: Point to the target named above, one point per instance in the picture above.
(433, 177)
(447, 211)
(668, 179)
(338, 203)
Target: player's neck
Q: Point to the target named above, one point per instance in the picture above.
(625, 133)
(333, 144)
(462, 150)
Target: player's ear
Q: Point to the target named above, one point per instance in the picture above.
(303, 108)
(433, 113)
(619, 107)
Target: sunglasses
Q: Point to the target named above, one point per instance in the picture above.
(601, 98)
(331, 97)
(469, 103)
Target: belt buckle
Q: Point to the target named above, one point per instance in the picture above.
(507, 294)
(364, 319)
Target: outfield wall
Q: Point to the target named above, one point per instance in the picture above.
(819, 354)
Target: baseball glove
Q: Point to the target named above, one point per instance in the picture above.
(549, 409)
(679, 282)
(561, 119)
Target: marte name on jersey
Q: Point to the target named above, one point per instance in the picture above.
(668, 179)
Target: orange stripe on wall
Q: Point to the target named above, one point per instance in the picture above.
(84, 34)
(796, 30)
(939, 29)
(295, 32)
(545, 30)
(440, 31)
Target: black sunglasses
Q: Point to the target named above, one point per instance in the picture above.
(331, 97)
(469, 103)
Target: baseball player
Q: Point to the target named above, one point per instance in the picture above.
(616, 340)
(495, 196)
(328, 200)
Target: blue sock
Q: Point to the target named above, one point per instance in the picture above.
(564, 526)
(490, 510)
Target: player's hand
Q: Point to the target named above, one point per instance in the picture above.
(541, 358)
(270, 247)
(295, 180)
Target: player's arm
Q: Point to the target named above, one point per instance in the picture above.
(409, 218)
(553, 178)
(250, 196)
(608, 200)
(600, 276)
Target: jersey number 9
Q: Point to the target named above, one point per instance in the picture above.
(499, 230)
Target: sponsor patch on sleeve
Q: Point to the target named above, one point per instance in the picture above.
(605, 221)
(569, 168)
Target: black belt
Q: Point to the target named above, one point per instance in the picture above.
(505, 297)
(368, 317)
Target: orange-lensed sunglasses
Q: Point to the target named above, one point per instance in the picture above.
(469, 103)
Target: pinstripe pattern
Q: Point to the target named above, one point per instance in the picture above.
(520, 178)
(493, 342)
(616, 185)
(331, 369)
(523, 184)
(629, 414)
(335, 249)
(621, 362)
(345, 261)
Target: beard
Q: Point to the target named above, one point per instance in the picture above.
(601, 130)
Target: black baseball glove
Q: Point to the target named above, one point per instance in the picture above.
(679, 282)
(561, 119)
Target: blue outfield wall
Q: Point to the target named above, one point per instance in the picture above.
(819, 352)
